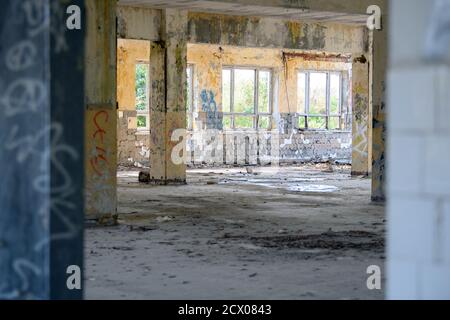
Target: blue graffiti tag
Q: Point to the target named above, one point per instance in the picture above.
(209, 106)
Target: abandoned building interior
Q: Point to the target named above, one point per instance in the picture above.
(237, 150)
(275, 157)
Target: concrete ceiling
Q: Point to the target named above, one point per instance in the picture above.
(250, 10)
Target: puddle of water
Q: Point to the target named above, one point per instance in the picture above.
(127, 174)
(314, 188)
(288, 184)
(266, 181)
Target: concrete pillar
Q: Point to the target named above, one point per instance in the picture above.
(101, 118)
(361, 115)
(41, 150)
(379, 67)
(158, 114)
(170, 116)
(419, 148)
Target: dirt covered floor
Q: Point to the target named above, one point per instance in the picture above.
(306, 232)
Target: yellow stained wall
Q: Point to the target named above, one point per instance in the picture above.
(129, 52)
(208, 61)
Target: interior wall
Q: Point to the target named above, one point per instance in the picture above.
(222, 30)
(276, 33)
(139, 23)
(133, 144)
(418, 150)
(296, 145)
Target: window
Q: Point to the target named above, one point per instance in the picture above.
(319, 100)
(246, 98)
(190, 98)
(142, 95)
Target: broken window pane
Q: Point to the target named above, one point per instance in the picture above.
(264, 92)
(333, 123)
(301, 122)
(335, 93)
(244, 91)
(317, 123)
(243, 122)
(264, 123)
(227, 122)
(142, 122)
(301, 93)
(189, 96)
(142, 86)
(226, 90)
(317, 93)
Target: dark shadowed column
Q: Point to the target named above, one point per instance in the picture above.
(41, 149)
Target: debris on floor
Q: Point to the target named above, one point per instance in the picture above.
(231, 239)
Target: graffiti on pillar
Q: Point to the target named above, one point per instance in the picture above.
(209, 106)
(100, 159)
(361, 124)
(31, 142)
(99, 156)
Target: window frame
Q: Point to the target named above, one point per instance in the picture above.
(256, 114)
(328, 115)
(144, 113)
(190, 105)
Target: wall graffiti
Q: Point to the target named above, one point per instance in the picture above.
(100, 153)
(100, 157)
(360, 131)
(214, 119)
(34, 149)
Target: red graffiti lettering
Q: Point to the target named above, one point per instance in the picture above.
(100, 130)
(100, 154)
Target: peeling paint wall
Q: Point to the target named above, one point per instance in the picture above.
(262, 32)
(361, 116)
(133, 144)
(275, 33)
(101, 114)
(138, 23)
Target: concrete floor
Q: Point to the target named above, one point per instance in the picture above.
(286, 233)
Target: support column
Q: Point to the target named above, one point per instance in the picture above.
(101, 117)
(41, 145)
(361, 115)
(168, 117)
(158, 114)
(380, 51)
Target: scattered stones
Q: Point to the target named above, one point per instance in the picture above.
(164, 219)
(144, 177)
(141, 228)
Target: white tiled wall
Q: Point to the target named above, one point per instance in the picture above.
(418, 160)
